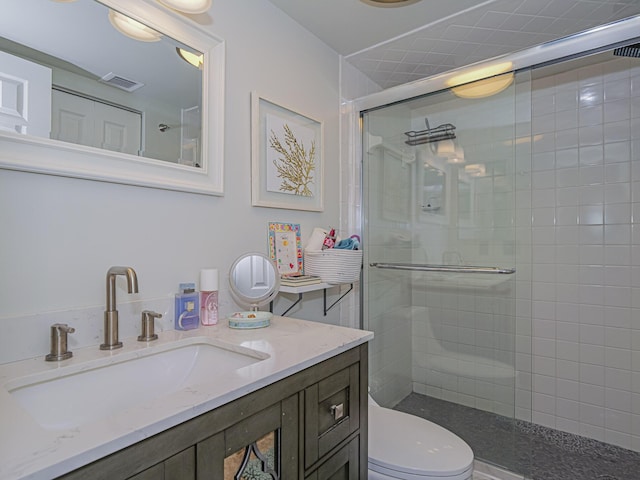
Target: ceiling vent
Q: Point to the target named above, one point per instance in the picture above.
(628, 51)
(121, 82)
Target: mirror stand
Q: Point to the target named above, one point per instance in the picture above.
(253, 280)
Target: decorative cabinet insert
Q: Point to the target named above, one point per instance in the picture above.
(310, 425)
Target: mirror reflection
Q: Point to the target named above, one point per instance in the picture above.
(434, 190)
(254, 280)
(99, 79)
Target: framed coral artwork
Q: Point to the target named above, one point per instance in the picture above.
(286, 158)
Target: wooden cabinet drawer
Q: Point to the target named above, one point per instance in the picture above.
(332, 412)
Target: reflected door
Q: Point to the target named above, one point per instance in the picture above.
(81, 120)
(25, 96)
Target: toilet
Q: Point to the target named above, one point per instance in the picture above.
(403, 446)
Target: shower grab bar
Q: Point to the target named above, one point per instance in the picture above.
(444, 268)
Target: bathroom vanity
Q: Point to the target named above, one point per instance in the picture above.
(301, 398)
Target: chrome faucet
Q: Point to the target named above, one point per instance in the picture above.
(111, 314)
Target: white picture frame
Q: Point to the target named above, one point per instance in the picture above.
(287, 165)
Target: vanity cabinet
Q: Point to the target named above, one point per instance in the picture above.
(315, 419)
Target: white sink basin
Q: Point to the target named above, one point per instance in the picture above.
(78, 394)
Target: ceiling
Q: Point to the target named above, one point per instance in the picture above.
(393, 46)
(349, 26)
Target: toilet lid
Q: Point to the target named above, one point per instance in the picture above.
(406, 443)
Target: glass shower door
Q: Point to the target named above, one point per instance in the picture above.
(440, 198)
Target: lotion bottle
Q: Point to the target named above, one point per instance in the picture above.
(209, 296)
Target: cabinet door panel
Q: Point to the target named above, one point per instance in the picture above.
(178, 467)
(210, 457)
(343, 465)
(291, 439)
(154, 473)
(251, 429)
(275, 431)
(181, 466)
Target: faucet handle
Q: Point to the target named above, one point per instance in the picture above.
(59, 350)
(148, 324)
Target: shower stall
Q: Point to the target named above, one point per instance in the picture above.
(487, 222)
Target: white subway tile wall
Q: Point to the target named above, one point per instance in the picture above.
(585, 190)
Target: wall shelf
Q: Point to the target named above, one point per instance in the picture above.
(312, 288)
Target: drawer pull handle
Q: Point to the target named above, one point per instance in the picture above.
(337, 411)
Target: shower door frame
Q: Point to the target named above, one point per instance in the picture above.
(593, 40)
(590, 41)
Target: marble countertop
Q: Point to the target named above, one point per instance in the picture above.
(30, 451)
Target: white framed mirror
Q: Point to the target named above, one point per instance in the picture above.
(178, 146)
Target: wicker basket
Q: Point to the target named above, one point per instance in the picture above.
(334, 266)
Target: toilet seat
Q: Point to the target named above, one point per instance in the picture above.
(408, 447)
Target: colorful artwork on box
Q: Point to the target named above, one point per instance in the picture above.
(285, 247)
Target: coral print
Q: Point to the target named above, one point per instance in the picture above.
(295, 166)
(291, 158)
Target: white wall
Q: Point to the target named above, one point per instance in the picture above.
(60, 235)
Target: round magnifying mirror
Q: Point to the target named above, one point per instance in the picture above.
(254, 281)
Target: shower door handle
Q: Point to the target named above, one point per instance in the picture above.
(444, 268)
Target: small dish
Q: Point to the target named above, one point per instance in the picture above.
(247, 320)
